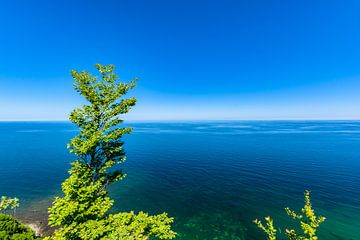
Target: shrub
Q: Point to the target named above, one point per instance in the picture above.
(308, 223)
(12, 229)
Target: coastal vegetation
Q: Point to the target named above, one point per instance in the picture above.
(309, 223)
(7, 203)
(82, 213)
(10, 228)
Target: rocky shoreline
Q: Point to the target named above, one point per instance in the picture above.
(37, 221)
(40, 227)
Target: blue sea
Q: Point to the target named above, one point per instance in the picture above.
(214, 178)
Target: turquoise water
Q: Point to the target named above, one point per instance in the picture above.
(214, 178)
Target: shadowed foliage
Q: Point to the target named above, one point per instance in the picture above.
(11, 229)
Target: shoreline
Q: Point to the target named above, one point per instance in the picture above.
(38, 224)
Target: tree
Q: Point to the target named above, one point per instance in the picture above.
(9, 203)
(308, 224)
(82, 213)
(12, 229)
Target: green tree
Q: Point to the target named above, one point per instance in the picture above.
(12, 229)
(9, 203)
(308, 224)
(82, 213)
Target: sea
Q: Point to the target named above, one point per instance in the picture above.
(213, 177)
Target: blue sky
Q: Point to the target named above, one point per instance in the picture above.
(194, 59)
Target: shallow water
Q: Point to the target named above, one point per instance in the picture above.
(214, 178)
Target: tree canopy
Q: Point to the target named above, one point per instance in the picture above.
(82, 213)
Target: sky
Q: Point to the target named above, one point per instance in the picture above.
(195, 60)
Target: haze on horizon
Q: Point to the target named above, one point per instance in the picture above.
(195, 60)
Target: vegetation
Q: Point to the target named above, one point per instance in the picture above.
(308, 224)
(11, 229)
(9, 203)
(82, 213)
(268, 228)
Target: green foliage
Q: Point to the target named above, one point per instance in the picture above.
(308, 224)
(8, 203)
(11, 229)
(82, 213)
(268, 228)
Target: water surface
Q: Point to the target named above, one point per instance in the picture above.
(214, 178)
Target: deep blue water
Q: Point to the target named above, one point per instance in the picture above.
(214, 178)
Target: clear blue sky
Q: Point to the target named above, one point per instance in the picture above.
(194, 59)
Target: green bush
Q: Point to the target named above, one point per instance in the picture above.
(309, 223)
(11, 229)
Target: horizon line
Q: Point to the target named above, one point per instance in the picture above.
(196, 120)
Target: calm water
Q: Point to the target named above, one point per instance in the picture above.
(213, 177)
